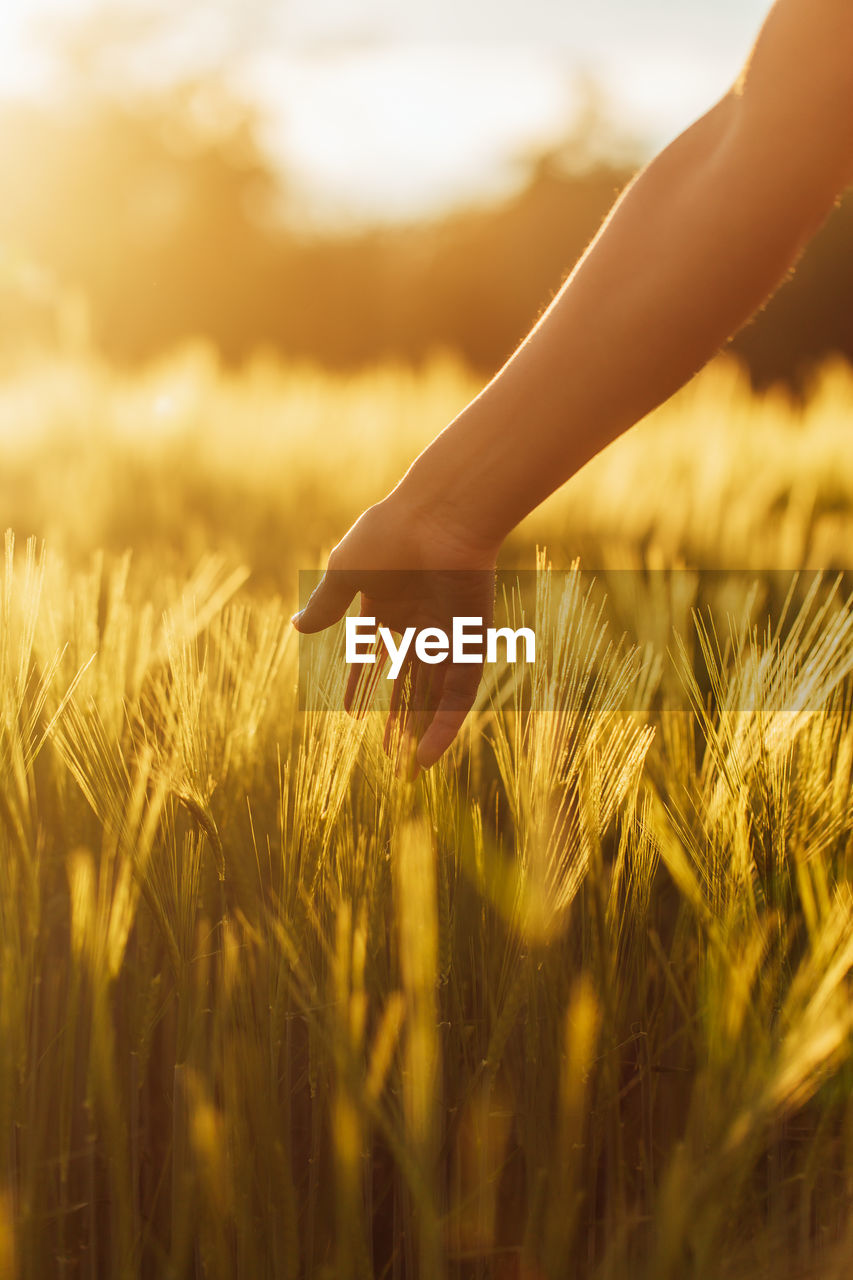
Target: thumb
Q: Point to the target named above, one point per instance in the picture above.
(327, 603)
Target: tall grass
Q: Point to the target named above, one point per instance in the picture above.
(574, 1003)
(269, 465)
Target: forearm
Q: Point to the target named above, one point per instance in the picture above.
(694, 246)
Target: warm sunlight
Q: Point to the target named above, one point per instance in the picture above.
(12, 44)
(396, 130)
(384, 112)
(23, 26)
(426, 657)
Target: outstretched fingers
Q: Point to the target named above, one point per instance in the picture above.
(417, 695)
(327, 603)
(457, 694)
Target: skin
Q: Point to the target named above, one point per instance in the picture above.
(693, 247)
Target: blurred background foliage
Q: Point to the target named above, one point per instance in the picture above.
(136, 217)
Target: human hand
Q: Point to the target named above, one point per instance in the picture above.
(411, 572)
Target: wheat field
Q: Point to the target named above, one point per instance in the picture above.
(575, 1003)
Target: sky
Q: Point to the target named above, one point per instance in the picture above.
(395, 108)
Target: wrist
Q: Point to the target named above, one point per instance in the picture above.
(441, 522)
(454, 487)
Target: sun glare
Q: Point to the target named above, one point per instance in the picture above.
(386, 113)
(12, 22)
(22, 26)
(399, 128)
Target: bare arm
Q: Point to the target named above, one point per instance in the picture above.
(693, 247)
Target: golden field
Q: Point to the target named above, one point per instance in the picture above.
(576, 1003)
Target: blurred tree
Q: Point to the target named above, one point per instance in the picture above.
(159, 219)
